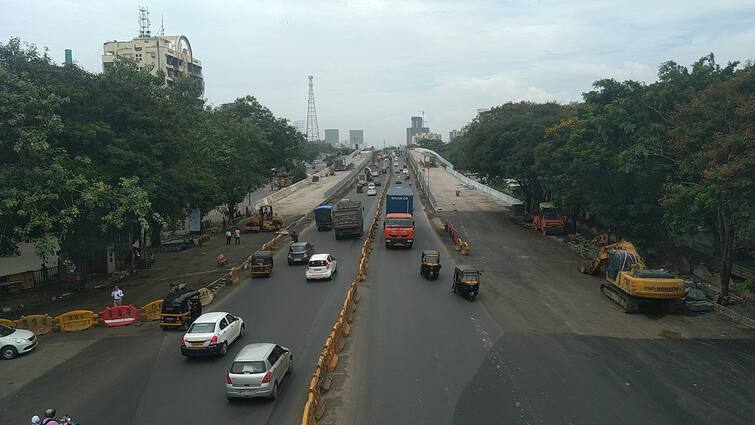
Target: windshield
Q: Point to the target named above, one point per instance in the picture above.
(398, 222)
(202, 328)
(470, 277)
(317, 263)
(550, 213)
(298, 248)
(6, 330)
(248, 367)
(432, 259)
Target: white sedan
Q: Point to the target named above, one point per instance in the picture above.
(321, 266)
(15, 341)
(212, 333)
(371, 191)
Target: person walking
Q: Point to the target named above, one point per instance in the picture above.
(117, 295)
(227, 236)
(237, 233)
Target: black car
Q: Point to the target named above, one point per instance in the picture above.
(300, 252)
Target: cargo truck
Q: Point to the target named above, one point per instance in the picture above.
(398, 226)
(347, 219)
(324, 217)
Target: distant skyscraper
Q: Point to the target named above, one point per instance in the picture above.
(356, 139)
(454, 134)
(69, 57)
(415, 129)
(331, 136)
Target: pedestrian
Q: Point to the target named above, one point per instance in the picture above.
(237, 233)
(117, 295)
(227, 236)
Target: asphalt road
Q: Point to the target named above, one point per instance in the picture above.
(539, 346)
(138, 376)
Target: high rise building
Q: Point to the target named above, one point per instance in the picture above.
(425, 136)
(415, 129)
(356, 139)
(171, 55)
(331, 136)
(454, 134)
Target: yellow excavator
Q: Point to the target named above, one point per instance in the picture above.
(629, 282)
(264, 221)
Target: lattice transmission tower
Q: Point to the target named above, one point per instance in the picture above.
(313, 133)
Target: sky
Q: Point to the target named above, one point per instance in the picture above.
(377, 63)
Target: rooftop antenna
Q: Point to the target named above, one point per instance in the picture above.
(162, 26)
(313, 133)
(144, 31)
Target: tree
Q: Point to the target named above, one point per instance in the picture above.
(432, 144)
(713, 143)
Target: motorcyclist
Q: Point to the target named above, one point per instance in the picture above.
(458, 190)
(294, 236)
(50, 418)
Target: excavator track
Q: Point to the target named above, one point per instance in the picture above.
(627, 303)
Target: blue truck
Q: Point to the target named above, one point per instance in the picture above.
(324, 217)
(399, 200)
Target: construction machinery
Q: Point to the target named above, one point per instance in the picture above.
(629, 283)
(548, 220)
(264, 221)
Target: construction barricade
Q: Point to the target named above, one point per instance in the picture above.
(151, 311)
(40, 324)
(7, 322)
(76, 320)
(120, 315)
(206, 296)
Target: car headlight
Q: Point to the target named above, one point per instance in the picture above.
(20, 340)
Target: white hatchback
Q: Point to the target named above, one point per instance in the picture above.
(321, 266)
(212, 333)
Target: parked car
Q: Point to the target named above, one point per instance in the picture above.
(321, 266)
(300, 252)
(258, 371)
(15, 341)
(212, 333)
(371, 191)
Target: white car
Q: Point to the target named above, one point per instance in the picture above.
(371, 191)
(258, 371)
(15, 341)
(321, 266)
(212, 333)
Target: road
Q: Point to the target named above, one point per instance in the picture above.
(539, 345)
(138, 376)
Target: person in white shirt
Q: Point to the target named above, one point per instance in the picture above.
(228, 237)
(117, 295)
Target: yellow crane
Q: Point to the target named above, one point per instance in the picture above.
(629, 282)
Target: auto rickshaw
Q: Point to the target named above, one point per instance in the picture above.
(261, 264)
(430, 264)
(466, 281)
(180, 308)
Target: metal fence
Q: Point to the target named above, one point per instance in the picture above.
(46, 276)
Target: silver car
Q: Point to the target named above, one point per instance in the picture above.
(258, 371)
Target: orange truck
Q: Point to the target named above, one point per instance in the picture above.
(548, 220)
(398, 226)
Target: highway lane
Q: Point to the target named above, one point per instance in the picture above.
(416, 340)
(138, 376)
(538, 346)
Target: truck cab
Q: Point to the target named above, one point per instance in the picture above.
(399, 225)
(548, 220)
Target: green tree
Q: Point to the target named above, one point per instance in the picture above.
(713, 143)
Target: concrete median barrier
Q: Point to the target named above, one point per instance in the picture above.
(76, 320)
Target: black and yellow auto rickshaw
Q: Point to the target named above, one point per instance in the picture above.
(466, 281)
(180, 308)
(430, 264)
(261, 264)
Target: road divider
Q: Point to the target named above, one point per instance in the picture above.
(327, 361)
(77, 320)
(120, 315)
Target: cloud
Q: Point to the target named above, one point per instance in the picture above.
(377, 62)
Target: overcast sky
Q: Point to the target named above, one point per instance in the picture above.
(376, 63)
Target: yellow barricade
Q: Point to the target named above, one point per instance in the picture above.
(464, 247)
(234, 275)
(76, 320)
(152, 310)
(8, 322)
(40, 324)
(206, 296)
